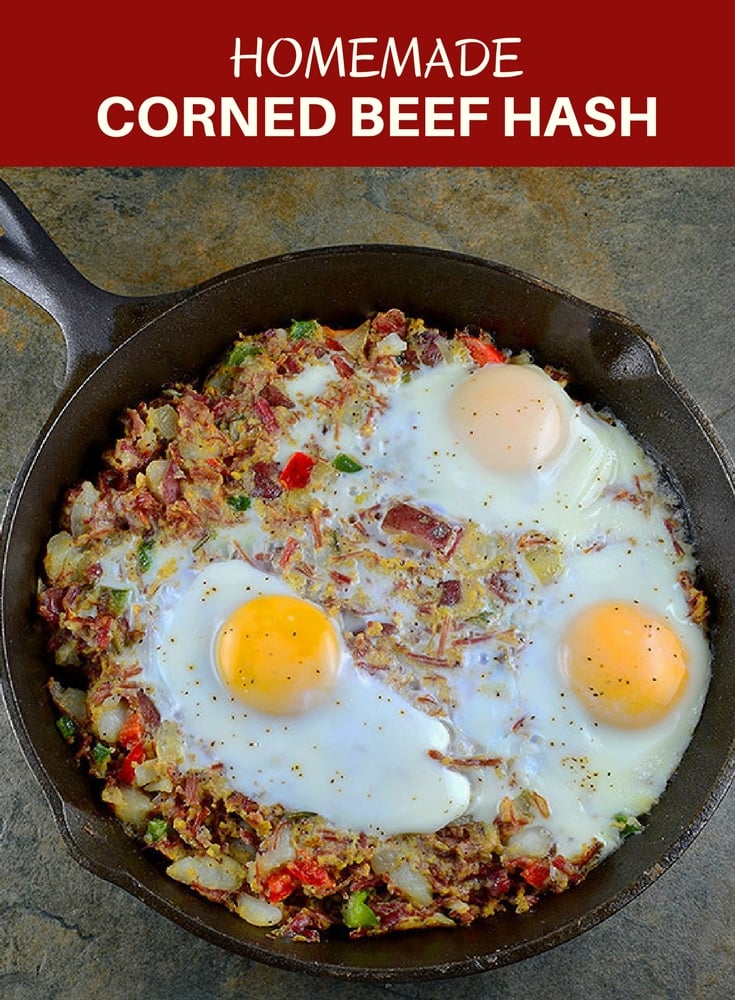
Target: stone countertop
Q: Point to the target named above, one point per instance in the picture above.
(657, 245)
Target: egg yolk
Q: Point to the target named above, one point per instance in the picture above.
(278, 654)
(625, 663)
(511, 417)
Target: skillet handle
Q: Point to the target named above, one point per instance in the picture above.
(92, 320)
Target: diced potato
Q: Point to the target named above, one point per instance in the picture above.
(129, 803)
(155, 474)
(62, 558)
(164, 421)
(109, 718)
(70, 701)
(258, 912)
(82, 508)
(149, 774)
(210, 873)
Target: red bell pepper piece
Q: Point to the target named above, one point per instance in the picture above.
(132, 730)
(135, 756)
(297, 471)
(536, 873)
(481, 352)
(279, 885)
(282, 882)
(310, 873)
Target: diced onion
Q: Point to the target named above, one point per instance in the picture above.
(277, 853)
(391, 861)
(160, 784)
(354, 341)
(390, 346)
(522, 358)
(169, 745)
(412, 884)
(386, 857)
(146, 772)
(241, 851)
(545, 561)
(531, 842)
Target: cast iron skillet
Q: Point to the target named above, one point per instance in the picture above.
(121, 350)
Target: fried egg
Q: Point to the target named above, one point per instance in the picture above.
(595, 707)
(590, 709)
(260, 681)
(507, 447)
(503, 446)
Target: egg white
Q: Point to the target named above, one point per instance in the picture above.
(587, 771)
(515, 705)
(411, 450)
(348, 759)
(361, 758)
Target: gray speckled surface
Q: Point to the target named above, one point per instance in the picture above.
(656, 245)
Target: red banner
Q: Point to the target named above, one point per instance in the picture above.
(534, 84)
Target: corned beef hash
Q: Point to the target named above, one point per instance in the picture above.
(375, 629)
